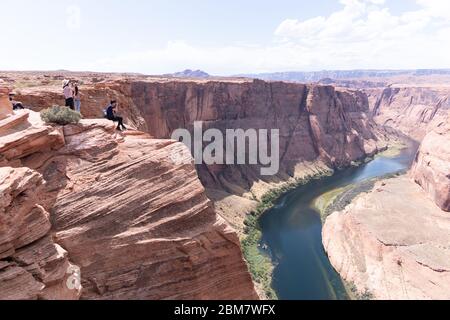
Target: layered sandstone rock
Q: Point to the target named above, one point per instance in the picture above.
(24, 134)
(138, 225)
(413, 110)
(151, 231)
(431, 169)
(32, 265)
(392, 242)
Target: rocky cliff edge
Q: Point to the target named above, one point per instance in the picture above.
(116, 207)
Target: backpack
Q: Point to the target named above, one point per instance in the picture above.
(105, 112)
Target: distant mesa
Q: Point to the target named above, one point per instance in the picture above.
(320, 76)
(188, 73)
(327, 81)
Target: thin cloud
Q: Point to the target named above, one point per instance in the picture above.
(362, 34)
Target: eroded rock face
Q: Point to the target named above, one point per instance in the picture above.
(138, 225)
(413, 110)
(392, 242)
(431, 169)
(151, 231)
(32, 265)
(24, 134)
(317, 118)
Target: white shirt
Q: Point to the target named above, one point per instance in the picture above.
(68, 92)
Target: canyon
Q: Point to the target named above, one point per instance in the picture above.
(320, 127)
(137, 225)
(140, 226)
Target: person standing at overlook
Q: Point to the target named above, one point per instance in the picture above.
(68, 94)
(77, 99)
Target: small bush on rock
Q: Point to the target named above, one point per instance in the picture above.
(60, 115)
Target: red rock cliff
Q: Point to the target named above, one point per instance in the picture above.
(413, 110)
(138, 226)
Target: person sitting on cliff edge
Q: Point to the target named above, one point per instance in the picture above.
(111, 115)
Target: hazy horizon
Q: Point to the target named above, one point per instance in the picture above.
(159, 37)
(234, 75)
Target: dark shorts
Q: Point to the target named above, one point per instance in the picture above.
(70, 103)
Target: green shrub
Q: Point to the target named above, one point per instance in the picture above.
(60, 115)
(355, 294)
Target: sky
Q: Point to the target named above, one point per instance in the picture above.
(224, 37)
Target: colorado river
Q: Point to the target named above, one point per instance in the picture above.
(292, 231)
